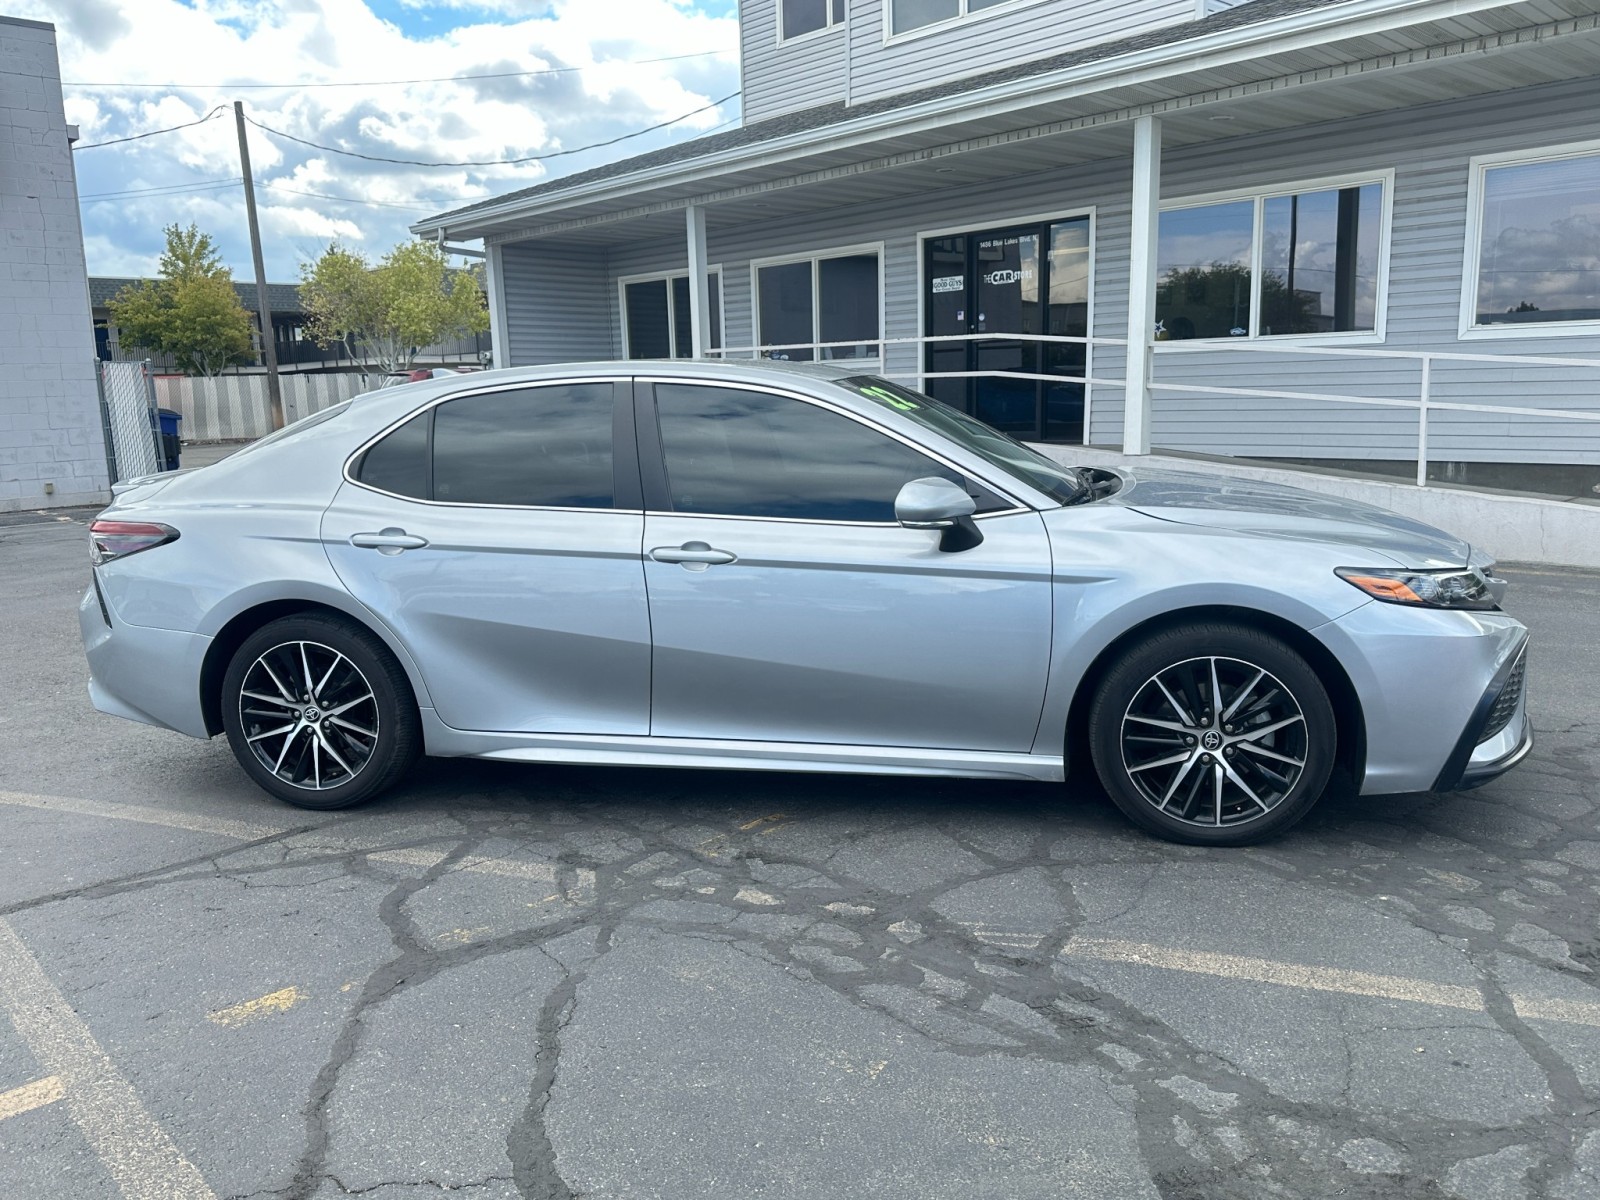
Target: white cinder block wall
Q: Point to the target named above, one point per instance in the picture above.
(50, 432)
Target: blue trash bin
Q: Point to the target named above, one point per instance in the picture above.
(170, 445)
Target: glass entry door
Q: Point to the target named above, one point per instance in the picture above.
(1032, 279)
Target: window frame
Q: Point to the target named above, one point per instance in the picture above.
(653, 455)
(1478, 167)
(814, 257)
(822, 31)
(672, 329)
(624, 448)
(1259, 196)
(890, 37)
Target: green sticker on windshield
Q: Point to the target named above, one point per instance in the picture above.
(889, 398)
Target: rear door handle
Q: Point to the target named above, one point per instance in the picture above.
(388, 541)
(696, 556)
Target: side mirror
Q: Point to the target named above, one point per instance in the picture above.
(935, 503)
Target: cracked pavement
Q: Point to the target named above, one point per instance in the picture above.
(554, 982)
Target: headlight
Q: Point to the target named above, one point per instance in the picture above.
(1455, 587)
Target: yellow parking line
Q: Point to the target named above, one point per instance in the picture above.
(1325, 979)
(135, 1150)
(273, 1002)
(31, 1096)
(243, 831)
(772, 817)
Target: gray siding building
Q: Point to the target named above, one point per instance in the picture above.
(52, 450)
(1347, 232)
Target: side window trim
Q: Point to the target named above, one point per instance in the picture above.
(624, 450)
(653, 462)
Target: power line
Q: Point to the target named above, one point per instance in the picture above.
(399, 82)
(213, 185)
(215, 112)
(166, 187)
(502, 162)
(193, 191)
(278, 187)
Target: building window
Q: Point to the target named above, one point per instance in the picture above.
(1302, 262)
(825, 307)
(1534, 249)
(656, 321)
(906, 15)
(801, 17)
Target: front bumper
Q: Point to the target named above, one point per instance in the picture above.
(1427, 681)
(1498, 736)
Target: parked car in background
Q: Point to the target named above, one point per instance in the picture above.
(789, 567)
(422, 374)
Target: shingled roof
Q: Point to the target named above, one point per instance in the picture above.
(821, 116)
(283, 297)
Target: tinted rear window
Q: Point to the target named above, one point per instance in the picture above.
(545, 447)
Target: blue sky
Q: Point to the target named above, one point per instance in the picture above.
(175, 60)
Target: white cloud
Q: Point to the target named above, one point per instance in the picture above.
(311, 42)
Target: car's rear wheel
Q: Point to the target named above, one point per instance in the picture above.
(318, 712)
(1213, 734)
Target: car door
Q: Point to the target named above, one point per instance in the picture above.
(787, 604)
(498, 535)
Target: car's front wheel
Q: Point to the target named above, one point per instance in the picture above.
(1213, 734)
(319, 713)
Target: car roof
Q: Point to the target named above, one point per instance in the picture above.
(759, 370)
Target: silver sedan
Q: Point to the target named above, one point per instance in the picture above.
(789, 568)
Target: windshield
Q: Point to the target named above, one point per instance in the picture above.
(1060, 483)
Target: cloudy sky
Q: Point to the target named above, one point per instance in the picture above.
(570, 73)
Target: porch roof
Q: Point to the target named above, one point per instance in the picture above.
(1262, 65)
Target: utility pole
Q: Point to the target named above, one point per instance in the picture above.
(269, 341)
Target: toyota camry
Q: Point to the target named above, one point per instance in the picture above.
(798, 568)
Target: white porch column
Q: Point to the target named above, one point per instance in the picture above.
(494, 280)
(1142, 283)
(699, 294)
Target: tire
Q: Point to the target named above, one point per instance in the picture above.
(1188, 773)
(355, 738)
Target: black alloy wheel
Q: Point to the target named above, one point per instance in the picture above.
(1213, 734)
(318, 712)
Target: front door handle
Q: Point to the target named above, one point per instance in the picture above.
(388, 541)
(695, 556)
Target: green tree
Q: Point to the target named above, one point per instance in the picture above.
(190, 312)
(385, 314)
(1210, 301)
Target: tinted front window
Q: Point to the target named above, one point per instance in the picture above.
(399, 463)
(1024, 463)
(547, 446)
(754, 454)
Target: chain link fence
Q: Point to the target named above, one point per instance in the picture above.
(128, 413)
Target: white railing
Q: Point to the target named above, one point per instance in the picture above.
(1423, 403)
(1422, 400)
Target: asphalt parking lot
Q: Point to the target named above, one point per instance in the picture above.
(559, 982)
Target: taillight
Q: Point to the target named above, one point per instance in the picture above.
(118, 539)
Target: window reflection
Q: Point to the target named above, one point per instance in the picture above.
(1539, 256)
(1319, 261)
(1314, 269)
(753, 454)
(547, 446)
(1203, 271)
